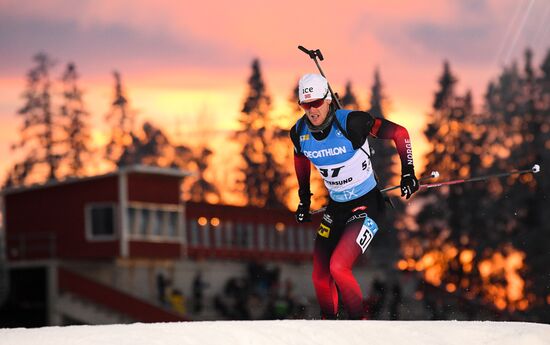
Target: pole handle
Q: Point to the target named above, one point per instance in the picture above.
(319, 54)
(311, 53)
(433, 174)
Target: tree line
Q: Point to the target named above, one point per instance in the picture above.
(489, 240)
(55, 139)
(55, 136)
(471, 233)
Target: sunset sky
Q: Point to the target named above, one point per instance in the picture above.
(182, 60)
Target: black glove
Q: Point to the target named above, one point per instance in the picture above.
(302, 213)
(409, 183)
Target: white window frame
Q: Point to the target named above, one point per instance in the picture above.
(153, 209)
(90, 237)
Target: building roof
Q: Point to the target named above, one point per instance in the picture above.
(140, 169)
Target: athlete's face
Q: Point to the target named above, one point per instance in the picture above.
(316, 111)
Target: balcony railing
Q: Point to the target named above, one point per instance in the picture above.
(38, 245)
(247, 240)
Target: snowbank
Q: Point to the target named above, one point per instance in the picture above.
(287, 332)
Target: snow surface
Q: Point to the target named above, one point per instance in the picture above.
(287, 332)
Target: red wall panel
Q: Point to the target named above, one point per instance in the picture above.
(154, 188)
(142, 249)
(58, 210)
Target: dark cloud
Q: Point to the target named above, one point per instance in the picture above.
(472, 7)
(465, 43)
(479, 34)
(101, 47)
(467, 38)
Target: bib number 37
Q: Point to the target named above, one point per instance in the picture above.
(368, 230)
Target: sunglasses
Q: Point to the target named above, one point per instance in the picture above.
(315, 104)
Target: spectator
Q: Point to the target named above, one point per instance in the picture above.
(177, 301)
(161, 288)
(396, 302)
(198, 292)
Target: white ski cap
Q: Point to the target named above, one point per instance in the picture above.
(313, 86)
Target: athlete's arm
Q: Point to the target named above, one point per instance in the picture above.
(302, 167)
(361, 124)
(385, 129)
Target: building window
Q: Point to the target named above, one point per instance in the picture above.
(240, 239)
(132, 219)
(144, 222)
(290, 240)
(271, 237)
(228, 235)
(218, 235)
(301, 232)
(100, 221)
(193, 232)
(155, 222)
(205, 235)
(280, 239)
(261, 237)
(172, 226)
(250, 236)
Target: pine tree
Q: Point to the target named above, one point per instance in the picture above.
(433, 217)
(500, 219)
(76, 116)
(39, 134)
(121, 121)
(295, 101)
(19, 173)
(523, 202)
(349, 101)
(263, 177)
(538, 241)
(202, 186)
(384, 155)
(201, 189)
(384, 151)
(451, 217)
(444, 97)
(151, 147)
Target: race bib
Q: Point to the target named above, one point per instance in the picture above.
(342, 176)
(368, 230)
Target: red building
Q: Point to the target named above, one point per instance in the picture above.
(102, 240)
(134, 212)
(221, 231)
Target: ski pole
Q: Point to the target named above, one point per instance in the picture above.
(433, 174)
(535, 169)
(314, 54)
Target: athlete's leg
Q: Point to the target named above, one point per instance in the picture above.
(357, 234)
(346, 253)
(325, 287)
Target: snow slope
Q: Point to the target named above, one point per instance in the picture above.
(287, 332)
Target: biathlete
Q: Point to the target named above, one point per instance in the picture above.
(335, 141)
